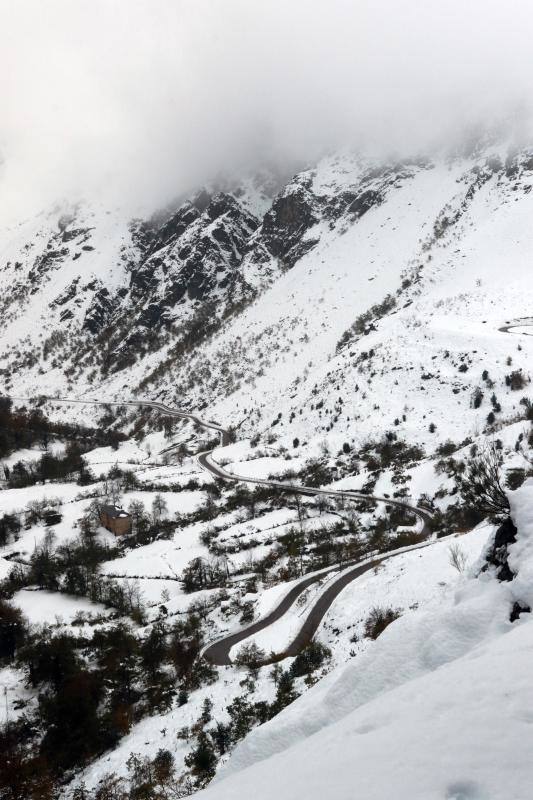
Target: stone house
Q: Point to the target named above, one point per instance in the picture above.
(115, 519)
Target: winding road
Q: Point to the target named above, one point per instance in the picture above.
(218, 651)
(525, 322)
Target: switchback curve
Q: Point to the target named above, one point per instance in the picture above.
(524, 322)
(218, 651)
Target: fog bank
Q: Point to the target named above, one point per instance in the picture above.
(143, 98)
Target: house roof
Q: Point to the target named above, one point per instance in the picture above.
(113, 511)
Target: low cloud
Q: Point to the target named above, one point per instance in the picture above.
(142, 99)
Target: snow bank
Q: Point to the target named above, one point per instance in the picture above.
(459, 733)
(521, 553)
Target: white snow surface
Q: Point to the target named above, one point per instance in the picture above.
(42, 607)
(439, 708)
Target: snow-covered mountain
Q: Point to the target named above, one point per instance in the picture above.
(357, 280)
(362, 326)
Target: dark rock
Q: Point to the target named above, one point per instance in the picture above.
(66, 295)
(364, 202)
(518, 609)
(45, 263)
(152, 316)
(284, 226)
(75, 233)
(99, 312)
(498, 553)
(175, 227)
(143, 281)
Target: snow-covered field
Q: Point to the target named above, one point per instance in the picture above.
(50, 608)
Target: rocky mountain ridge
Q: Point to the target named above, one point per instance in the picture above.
(236, 300)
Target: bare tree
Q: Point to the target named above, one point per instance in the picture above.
(457, 557)
(301, 511)
(321, 503)
(159, 507)
(112, 491)
(249, 655)
(137, 512)
(181, 453)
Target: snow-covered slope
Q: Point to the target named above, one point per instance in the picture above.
(357, 280)
(347, 324)
(441, 707)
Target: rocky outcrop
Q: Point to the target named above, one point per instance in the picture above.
(284, 228)
(174, 227)
(67, 294)
(195, 253)
(136, 285)
(99, 312)
(497, 554)
(51, 259)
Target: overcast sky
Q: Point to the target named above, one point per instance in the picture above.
(144, 97)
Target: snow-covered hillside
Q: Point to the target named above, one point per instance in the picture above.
(440, 707)
(363, 327)
(359, 280)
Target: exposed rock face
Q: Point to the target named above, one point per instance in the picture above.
(284, 227)
(210, 251)
(121, 289)
(124, 288)
(517, 609)
(291, 228)
(364, 202)
(45, 263)
(99, 312)
(174, 227)
(193, 256)
(497, 555)
(67, 295)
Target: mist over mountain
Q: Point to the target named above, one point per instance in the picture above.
(150, 102)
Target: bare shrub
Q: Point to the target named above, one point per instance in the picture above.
(379, 619)
(516, 380)
(481, 484)
(457, 557)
